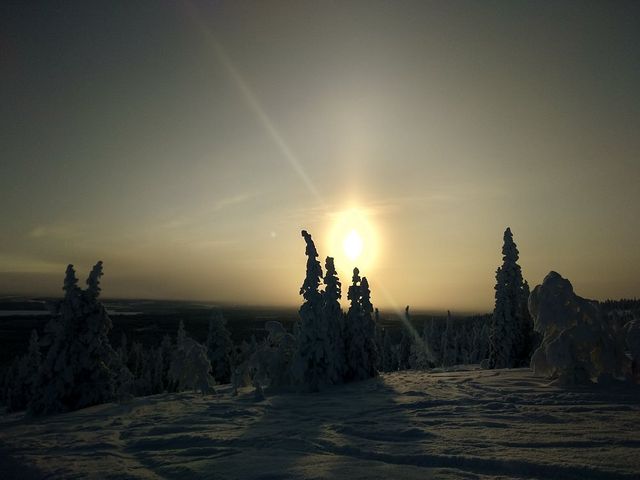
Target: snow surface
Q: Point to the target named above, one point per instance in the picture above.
(409, 424)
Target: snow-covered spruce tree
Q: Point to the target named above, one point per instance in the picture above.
(190, 367)
(334, 321)
(313, 365)
(22, 388)
(361, 347)
(80, 368)
(370, 353)
(510, 325)
(219, 348)
(351, 326)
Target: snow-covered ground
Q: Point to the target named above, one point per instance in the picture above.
(464, 424)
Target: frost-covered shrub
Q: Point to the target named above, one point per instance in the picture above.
(578, 344)
(190, 367)
(271, 362)
(80, 368)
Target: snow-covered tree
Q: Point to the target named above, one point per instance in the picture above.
(190, 367)
(370, 357)
(314, 363)
(80, 368)
(271, 363)
(511, 325)
(220, 348)
(93, 282)
(578, 345)
(333, 319)
(25, 375)
(361, 350)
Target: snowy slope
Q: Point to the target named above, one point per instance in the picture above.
(465, 424)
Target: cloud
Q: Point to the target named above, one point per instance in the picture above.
(233, 200)
(58, 232)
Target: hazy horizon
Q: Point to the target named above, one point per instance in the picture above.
(187, 144)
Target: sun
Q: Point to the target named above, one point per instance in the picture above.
(353, 245)
(353, 240)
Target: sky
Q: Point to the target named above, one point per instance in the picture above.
(187, 143)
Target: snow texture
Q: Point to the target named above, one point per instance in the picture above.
(476, 424)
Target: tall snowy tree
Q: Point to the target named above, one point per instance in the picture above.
(510, 325)
(370, 357)
(313, 363)
(219, 348)
(361, 347)
(81, 368)
(333, 319)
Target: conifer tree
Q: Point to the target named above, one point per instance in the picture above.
(70, 281)
(333, 319)
(511, 325)
(313, 363)
(352, 342)
(81, 368)
(361, 345)
(370, 354)
(93, 282)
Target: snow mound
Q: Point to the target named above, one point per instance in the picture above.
(578, 344)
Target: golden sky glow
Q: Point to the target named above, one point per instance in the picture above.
(187, 144)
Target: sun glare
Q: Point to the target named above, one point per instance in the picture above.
(353, 241)
(353, 245)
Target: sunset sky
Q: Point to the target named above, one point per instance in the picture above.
(186, 144)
